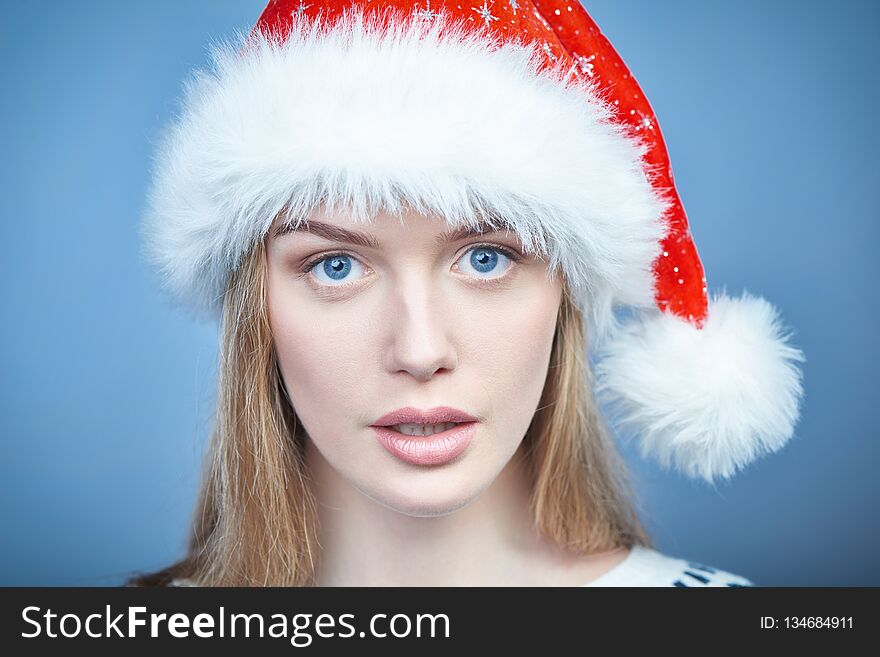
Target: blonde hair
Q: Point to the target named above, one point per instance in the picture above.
(256, 521)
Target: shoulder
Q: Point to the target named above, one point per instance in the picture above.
(181, 581)
(649, 567)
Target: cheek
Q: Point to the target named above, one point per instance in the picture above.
(508, 350)
(321, 362)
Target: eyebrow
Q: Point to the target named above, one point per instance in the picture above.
(337, 234)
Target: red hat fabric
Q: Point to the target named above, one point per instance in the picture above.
(516, 111)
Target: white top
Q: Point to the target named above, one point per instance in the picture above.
(648, 567)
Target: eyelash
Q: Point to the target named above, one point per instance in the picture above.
(514, 255)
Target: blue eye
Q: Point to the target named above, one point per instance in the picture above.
(486, 260)
(336, 269)
(483, 262)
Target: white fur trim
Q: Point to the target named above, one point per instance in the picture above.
(366, 119)
(710, 400)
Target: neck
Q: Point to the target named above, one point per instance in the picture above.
(491, 541)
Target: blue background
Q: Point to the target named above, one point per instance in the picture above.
(769, 110)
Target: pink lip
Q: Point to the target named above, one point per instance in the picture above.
(436, 415)
(427, 450)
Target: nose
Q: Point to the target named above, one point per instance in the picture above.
(419, 326)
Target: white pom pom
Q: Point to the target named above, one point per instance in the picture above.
(706, 401)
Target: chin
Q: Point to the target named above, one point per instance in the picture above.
(421, 498)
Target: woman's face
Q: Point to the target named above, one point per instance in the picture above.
(404, 316)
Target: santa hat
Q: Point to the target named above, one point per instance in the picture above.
(510, 111)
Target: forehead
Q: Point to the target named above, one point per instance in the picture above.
(340, 227)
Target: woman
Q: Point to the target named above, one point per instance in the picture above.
(413, 221)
